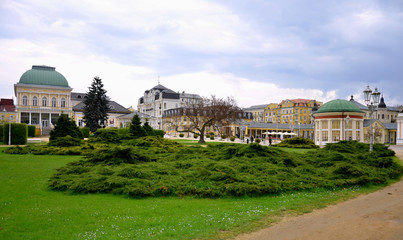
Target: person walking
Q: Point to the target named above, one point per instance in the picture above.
(269, 140)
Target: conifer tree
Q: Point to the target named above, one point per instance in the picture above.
(136, 129)
(96, 106)
(149, 130)
(65, 127)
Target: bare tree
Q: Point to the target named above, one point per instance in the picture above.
(207, 112)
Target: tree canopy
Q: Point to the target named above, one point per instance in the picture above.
(96, 105)
(207, 112)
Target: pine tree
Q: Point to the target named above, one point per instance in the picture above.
(135, 128)
(149, 130)
(96, 106)
(65, 127)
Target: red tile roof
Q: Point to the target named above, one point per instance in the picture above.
(7, 105)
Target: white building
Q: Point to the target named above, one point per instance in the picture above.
(159, 98)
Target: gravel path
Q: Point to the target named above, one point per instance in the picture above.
(376, 216)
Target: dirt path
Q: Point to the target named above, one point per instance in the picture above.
(378, 215)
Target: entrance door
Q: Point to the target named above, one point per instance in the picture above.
(45, 123)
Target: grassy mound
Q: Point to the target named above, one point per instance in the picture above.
(297, 142)
(158, 167)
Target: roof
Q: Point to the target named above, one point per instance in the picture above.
(339, 105)
(389, 126)
(261, 106)
(359, 105)
(114, 108)
(77, 96)
(131, 115)
(43, 75)
(297, 101)
(7, 105)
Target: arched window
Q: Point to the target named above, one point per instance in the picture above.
(44, 101)
(63, 103)
(35, 101)
(53, 102)
(24, 100)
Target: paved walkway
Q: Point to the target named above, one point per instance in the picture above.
(375, 216)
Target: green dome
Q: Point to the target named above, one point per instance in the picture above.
(339, 105)
(43, 75)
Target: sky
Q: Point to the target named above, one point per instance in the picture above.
(257, 51)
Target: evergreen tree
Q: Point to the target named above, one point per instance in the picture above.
(149, 130)
(135, 128)
(96, 106)
(65, 126)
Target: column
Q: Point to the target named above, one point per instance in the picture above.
(342, 130)
(30, 120)
(329, 133)
(320, 132)
(354, 128)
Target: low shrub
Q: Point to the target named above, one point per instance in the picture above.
(108, 135)
(67, 141)
(257, 140)
(232, 138)
(31, 131)
(212, 137)
(223, 136)
(143, 169)
(297, 142)
(181, 135)
(195, 135)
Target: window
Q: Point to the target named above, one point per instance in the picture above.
(324, 125)
(63, 103)
(24, 100)
(35, 101)
(53, 102)
(383, 116)
(2, 117)
(336, 124)
(44, 101)
(11, 118)
(325, 136)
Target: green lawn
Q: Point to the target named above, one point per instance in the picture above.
(29, 210)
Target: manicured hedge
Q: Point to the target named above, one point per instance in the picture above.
(85, 131)
(158, 133)
(31, 131)
(1, 133)
(19, 134)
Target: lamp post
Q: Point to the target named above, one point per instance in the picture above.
(372, 101)
(346, 129)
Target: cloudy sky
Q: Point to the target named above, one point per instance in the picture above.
(258, 51)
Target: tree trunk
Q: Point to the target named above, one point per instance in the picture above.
(201, 138)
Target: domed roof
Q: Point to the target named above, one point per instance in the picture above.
(43, 75)
(339, 105)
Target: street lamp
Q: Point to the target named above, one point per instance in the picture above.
(346, 128)
(372, 101)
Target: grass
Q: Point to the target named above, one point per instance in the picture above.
(29, 210)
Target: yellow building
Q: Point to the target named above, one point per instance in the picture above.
(270, 112)
(294, 111)
(8, 111)
(43, 94)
